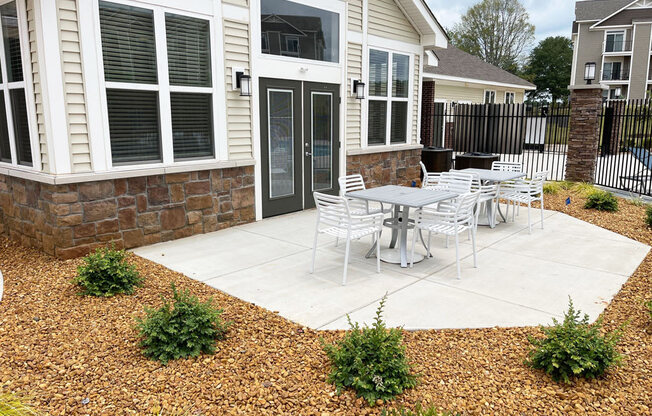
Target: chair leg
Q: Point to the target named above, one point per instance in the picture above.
(337, 241)
(428, 249)
(447, 241)
(414, 243)
(346, 259)
(506, 211)
(378, 252)
(314, 252)
(475, 255)
(457, 255)
(514, 211)
(542, 210)
(529, 222)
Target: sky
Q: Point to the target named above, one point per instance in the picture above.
(550, 17)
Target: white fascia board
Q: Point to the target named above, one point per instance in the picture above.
(614, 13)
(441, 39)
(475, 81)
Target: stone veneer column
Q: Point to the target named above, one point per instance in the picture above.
(427, 111)
(584, 135)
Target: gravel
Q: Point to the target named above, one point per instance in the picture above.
(79, 355)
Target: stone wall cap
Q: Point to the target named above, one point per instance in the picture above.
(384, 148)
(600, 87)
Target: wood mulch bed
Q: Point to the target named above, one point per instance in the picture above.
(80, 355)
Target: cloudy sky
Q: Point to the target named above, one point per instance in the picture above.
(550, 17)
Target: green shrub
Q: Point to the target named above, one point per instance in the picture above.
(648, 215)
(106, 272)
(581, 188)
(371, 361)
(574, 348)
(12, 405)
(185, 329)
(551, 188)
(418, 411)
(602, 201)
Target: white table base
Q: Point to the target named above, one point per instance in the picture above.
(393, 256)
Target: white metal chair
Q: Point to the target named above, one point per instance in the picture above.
(449, 223)
(525, 192)
(456, 182)
(351, 183)
(334, 218)
(487, 199)
(430, 179)
(507, 166)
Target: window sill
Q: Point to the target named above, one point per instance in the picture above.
(51, 179)
(381, 149)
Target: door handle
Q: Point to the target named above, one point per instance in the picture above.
(308, 154)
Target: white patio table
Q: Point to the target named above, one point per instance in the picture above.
(495, 176)
(402, 198)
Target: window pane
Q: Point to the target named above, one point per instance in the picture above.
(377, 131)
(128, 43)
(21, 126)
(189, 50)
(322, 141)
(11, 42)
(192, 125)
(281, 143)
(134, 125)
(293, 29)
(400, 75)
(5, 150)
(399, 122)
(378, 73)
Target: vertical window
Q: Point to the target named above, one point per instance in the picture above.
(14, 124)
(509, 97)
(388, 107)
(134, 89)
(489, 97)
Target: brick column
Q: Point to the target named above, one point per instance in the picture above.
(427, 111)
(584, 135)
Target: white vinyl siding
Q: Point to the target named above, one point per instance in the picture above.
(353, 105)
(243, 3)
(388, 21)
(238, 109)
(473, 94)
(355, 15)
(36, 80)
(415, 102)
(75, 99)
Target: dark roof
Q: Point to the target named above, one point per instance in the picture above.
(457, 63)
(598, 9)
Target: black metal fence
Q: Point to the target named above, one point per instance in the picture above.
(623, 159)
(533, 134)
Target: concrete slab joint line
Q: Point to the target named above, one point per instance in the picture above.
(522, 279)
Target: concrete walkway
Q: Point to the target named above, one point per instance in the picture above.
(522, 279)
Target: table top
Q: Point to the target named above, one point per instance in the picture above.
(402, 195)
(494, 175)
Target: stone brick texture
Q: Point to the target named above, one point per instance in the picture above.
(584, 135)
(386, 168)
(68, 221)
(427, 112)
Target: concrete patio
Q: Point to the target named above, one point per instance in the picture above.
(522, 279)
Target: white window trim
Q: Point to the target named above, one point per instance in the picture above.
(614, 32)
(28, 88)
(101, 149)
(484, 96)
(513, 97)
(389, 99)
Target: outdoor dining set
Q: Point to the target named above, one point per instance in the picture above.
(447, 203)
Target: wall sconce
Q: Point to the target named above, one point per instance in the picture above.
(589, 72)
(357, 89)
(241, 81)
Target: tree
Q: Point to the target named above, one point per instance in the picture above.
(549, 67)
(497, 31)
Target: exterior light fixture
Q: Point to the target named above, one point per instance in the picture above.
(357, 89)
(241, 82)
(589, 72)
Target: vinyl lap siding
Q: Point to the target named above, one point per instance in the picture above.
(353, 106)
(75, 99)
(461, 93)
(355, 15)
(388, 21)
(243, 3)
(38, 96)
(238, 109)
(415, 102)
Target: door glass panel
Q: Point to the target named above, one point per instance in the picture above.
(281, 143)
(322, 141)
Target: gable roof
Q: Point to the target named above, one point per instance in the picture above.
(454, 62)
(598, 9)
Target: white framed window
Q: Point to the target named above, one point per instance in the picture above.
(489, 97)
(509, 97)
(389, 96)
(158, 83)
(292, 47)
(264, 46)
(15, 106)
(615, 41)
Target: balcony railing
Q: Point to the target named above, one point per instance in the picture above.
(615, 75)
(617, 46)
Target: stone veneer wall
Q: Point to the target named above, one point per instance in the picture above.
(427, 112)
(71, 220)
(395, 168)
(584, 134)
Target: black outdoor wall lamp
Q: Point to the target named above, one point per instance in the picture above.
(589, 72)
(357, 89)
(241, 81)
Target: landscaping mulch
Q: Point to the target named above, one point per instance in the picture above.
(80, 355)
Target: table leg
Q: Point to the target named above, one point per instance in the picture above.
(499, 210)
(404, 229)
(397, 211)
